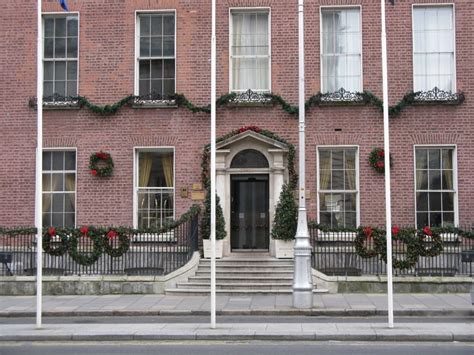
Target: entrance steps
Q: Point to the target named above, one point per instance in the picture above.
(241, 275)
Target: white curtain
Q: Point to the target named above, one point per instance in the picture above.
(433, 48)
(250, 51)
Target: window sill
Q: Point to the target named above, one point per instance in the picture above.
(56, 103)
(167, 237)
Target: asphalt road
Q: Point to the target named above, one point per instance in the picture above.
(230, 319)
(231, 348)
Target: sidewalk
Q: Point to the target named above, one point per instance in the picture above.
(463, 332)
(324, 305)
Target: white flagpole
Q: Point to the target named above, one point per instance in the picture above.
(213, 167)
(386, 138)
(39, 167)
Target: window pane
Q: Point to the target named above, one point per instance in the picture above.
(72, 70)
(69, 182)
(168, 46)
(46, 203)
(323, 204)
(168, 25)
(48, 71)
(58, 203)
(434, 159)
(144, 69)
(434, 180)
(60, 71)
(422, 179)
(157, 87)
(448, 201)
(325, 179)
(144, 25)
(144, 87)
(60, 48)
(72, 47)
(350, 202)
(169, 68)
(156, 69)
(60, 88)
(156, 46)
(72, 27)
(435, 219)
(435, 201)
(168, 87)
(60, 27)
(337, 159)
(350, 220)
(69, 202)
(421, 158)
(338, 180)
(57, 182)
(422, 201)
(46, 182)
(69, 220)
(46, 160)
(156, 26)
(144, 46)
(70, 159)
(325, 218)
(448, 219)
(57, 219)
(71, 88)
(58, 160)
(46, 219)
(49, 48)
(49, 27)
(422, 219)
(48, 89)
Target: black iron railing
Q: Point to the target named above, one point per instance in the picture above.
(335, 253)
(150, 252)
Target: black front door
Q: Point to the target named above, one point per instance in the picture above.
(249, 212)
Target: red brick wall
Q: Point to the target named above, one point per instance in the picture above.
(106, 74)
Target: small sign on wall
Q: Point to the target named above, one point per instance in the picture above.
(184, 192)
(197, 195)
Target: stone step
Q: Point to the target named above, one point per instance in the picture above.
(227, 292)
(220, 273)
(249, 261)
(244, 268)
(235, 286)
(249, 264)
(232, 279)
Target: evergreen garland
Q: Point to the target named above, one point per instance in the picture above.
(108, 237)
(92, 254)
(286, 215)
(206, 218)
(315, 100)
(61, 246)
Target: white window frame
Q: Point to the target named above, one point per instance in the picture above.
(262, 9)
(61, 149)
(137, 150)
(455, 177)
(452, 5)
(64, 14)
(357, 168)
(341, 7)
(137, 44)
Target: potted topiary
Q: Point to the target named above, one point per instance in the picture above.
(284, 224)
(206, 227)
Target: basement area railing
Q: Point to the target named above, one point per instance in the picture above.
(90, 250)
(416, 252)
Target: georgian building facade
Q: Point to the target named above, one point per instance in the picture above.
(152, 49)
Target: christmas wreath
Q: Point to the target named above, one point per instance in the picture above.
(437, 243)
(406, 236)
(61, 246)
(123, 242)
(365, 234)
(97, 170)
(93, 255)
(377, 160)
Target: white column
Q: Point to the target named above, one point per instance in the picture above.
(39, 167)
(302, 280)
(386, 137)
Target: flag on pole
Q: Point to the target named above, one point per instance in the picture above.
(63, 5)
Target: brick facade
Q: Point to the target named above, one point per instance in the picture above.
(106, 74)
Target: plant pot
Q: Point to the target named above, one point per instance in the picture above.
(208, 250)
(284, 249)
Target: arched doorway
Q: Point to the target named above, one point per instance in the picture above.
(249, 203)
(251, 170)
